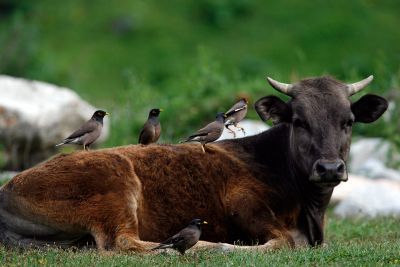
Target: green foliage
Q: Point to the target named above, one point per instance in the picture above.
(193, 58)
(350, 243)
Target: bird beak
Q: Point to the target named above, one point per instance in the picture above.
(204, 222)
(107, 113)
(161, 110)
(224, 115)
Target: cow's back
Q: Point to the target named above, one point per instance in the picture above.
(71, 189)
(163, 186)
(179, 183)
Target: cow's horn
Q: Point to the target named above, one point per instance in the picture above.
(358, 86)
(281, 87)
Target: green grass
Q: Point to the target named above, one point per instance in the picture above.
(356, 242)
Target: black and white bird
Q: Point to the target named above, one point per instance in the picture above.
(88, 132)
(185, 239)
(235, 114)
(151, 130)
(209, 133)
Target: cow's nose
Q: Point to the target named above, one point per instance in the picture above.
(329, 170)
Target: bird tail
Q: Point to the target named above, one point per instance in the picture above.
(190, 138)
(185, 140)
(60, 144)
(163, 246)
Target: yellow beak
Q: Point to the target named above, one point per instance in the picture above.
(161, 110)
(204, 222)
(107, 113)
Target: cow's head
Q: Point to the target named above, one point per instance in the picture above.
(321, 118)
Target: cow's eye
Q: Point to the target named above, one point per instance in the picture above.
(298, 123)
(348, 123)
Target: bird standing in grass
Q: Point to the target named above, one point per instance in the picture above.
(151, 129)
(235, 114)
(88, 133)
(185, 239)
(210, 132)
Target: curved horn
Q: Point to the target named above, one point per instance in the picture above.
(358, 86)
(281, 87)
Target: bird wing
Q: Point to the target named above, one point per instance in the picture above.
(202, 132)
(236, 107)
(182, 241)
(88, 127)
(233, 111)
(146, 134)
(206, 129)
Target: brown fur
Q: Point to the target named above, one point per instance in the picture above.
(124, 192)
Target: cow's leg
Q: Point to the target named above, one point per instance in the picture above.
(249, 213)
(271, 245)
(100, 237)
(131, 242)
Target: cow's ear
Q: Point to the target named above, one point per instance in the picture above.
(369, 108)
(272, 107)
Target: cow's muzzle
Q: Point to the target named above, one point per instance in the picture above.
(329, 171)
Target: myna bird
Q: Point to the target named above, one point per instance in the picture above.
(88, 133)
(185, 239)
(210, 132)
(235, 114)
(151, 129)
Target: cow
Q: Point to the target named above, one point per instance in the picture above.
(267, 191)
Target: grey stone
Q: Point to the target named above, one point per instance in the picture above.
(363, 197)
(34, 116)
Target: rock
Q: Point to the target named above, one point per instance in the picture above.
(376, 169)
(363, 197)
(370, 156)
(34, 116)
(252, 127)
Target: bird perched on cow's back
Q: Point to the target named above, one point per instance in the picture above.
(88, 132)
(235, 114)
(185, 239)
(151, 129)
(210, 132)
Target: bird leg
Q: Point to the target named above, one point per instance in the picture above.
(203, 147)
(241, 128)
(231, 131)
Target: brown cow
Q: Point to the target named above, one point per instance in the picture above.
(272, 188)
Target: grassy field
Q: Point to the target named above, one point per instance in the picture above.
(356, 242)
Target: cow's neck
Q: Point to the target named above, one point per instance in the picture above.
(271, 152)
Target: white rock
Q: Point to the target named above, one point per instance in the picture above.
(37, 114)
(361, 196)
(370, 156)
(251, 127)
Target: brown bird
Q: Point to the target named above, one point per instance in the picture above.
(210, 132)
(88, 133)
(235, 114)
(185, 239)
(151, 129)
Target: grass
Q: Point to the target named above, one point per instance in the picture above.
(350, 242)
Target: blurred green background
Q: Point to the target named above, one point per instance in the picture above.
(192, 58)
